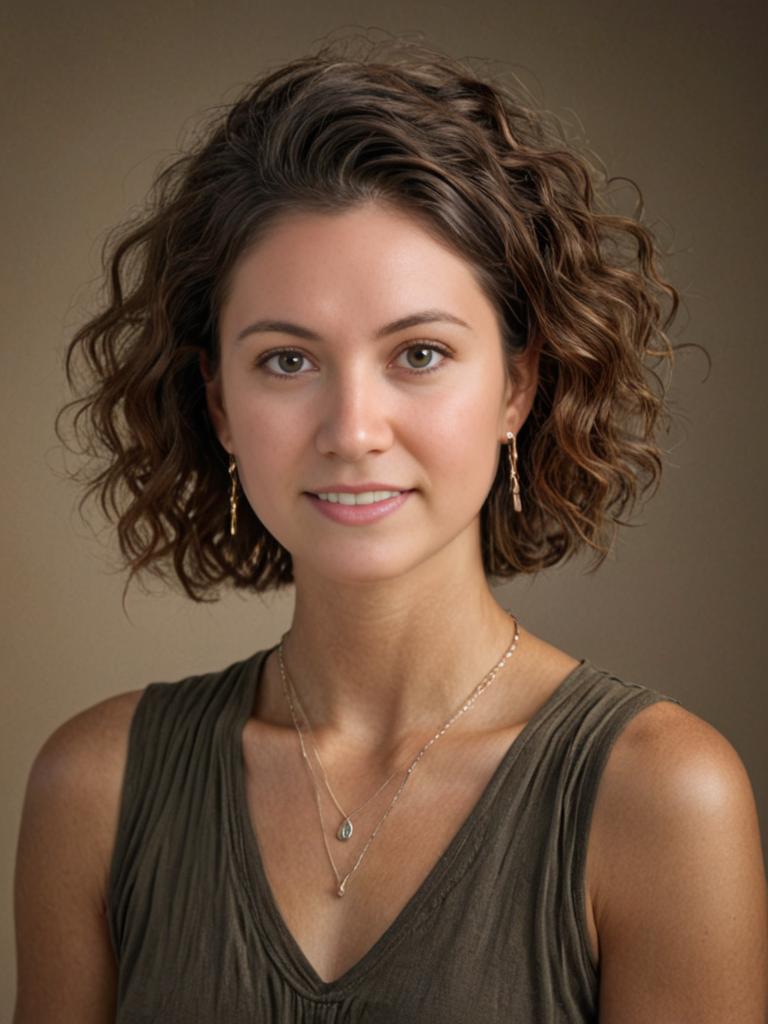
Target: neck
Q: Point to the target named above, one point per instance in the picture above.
(375, 666)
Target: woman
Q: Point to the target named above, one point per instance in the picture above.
(378, 339)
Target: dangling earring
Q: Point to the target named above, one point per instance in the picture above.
(233, 496)
(514, 480)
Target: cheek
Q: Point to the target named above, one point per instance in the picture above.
(458, 436)
(265, 439)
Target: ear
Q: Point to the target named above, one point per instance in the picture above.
(214, 399)
(521, 387)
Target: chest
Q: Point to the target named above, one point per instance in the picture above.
(385, 872)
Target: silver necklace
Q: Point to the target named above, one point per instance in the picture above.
(484, 683)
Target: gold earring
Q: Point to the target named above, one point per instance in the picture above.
(233, 496)
(514, 480)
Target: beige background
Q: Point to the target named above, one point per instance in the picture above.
(94, 95)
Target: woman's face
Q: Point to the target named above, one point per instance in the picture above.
(323, 382)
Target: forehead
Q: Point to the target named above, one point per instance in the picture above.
(372, 263)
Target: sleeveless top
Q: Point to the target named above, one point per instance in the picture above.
(495, 933)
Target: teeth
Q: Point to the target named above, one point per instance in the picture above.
(364, 498)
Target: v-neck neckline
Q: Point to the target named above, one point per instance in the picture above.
(284, 948)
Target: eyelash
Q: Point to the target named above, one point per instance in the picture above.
(432, 346)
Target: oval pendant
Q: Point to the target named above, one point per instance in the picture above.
(345, 830)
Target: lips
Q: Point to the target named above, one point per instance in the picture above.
(359, 515)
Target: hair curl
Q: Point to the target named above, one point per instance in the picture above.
(497, 180)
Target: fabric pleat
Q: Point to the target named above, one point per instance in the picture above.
(495, 933)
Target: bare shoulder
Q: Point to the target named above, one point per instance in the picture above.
(92, 731)
(676, 875)
(66, 966)
(79, 768)
(675, 750)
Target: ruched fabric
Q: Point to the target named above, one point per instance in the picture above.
(496, 932)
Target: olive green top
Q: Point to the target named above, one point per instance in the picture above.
(495, 933)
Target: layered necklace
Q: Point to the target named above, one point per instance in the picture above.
(345, 827)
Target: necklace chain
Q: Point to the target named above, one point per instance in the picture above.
(484, 683)
(344, 832)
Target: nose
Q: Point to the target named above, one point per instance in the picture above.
(355, 414)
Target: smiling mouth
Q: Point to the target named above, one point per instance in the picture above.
(360, 498)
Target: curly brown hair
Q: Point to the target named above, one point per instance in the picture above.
(499, 182)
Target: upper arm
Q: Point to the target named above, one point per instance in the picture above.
(66, 967)
(677, 878)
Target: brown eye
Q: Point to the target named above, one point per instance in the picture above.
(289, 361)
(284, 363)
(421, 358)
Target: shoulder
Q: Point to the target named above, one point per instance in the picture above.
(84, 759)
(74, 784)
(98, 732)
(676, 873)
(668, 760)
(66, 967)
(76, 779)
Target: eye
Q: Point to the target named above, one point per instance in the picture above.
(288, 358)
(287, 361)
(424, 349)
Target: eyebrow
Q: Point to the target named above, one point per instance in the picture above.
(425, 316)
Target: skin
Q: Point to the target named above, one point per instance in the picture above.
(390, 622)
(404, 599)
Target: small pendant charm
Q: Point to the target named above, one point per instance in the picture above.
(340, 890)
(345, 831)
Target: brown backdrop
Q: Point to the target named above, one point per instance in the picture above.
(94, 95)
